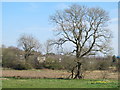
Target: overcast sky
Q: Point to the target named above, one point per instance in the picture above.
(33, 18)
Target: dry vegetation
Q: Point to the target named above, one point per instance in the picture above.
(46, 73)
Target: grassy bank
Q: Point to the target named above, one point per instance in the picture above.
(58, 83)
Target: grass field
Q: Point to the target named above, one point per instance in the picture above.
(58, 83)
(44, 79)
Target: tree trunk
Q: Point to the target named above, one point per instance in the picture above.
(26, 57)
(78, 74)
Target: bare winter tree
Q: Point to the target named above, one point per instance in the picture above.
(29, 44)
(48, 46)
(86, 28)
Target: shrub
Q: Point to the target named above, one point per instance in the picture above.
(89, 65)
(68, 63)
(52, 63)
(22, 66)
(96, 63)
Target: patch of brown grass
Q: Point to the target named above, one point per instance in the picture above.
(46, 73)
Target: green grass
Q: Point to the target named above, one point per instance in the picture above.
(58, 83)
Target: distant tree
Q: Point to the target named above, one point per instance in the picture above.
(29, 44)
(50, 54)
(3, 46)
(48, 46)
(113, 58)
(86, 29)
(10, 56)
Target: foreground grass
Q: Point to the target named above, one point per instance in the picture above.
(58, 83)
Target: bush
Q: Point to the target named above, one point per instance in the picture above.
(103, 65)
(89, 65)
(96, 64)
(68, 63)
(11, 59)
(52, 63)
(22, 66)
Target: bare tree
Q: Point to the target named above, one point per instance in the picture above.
(48, 46)
(29, 44)
(86, 28)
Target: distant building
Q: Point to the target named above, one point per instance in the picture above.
(60, 59)
(41, 59)
(21, 57)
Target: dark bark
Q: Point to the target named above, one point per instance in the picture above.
(72, 73)
(26, 56)
(78, 73)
